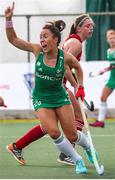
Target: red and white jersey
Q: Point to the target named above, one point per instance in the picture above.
(76, 37)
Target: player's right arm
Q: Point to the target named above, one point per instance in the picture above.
(14, 39)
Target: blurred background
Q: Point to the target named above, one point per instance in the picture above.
(17, 67)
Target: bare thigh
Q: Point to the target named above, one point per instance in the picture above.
(49, 121)
(75, 104)
(106, 92)
(67, 120)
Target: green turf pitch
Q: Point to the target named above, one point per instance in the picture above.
(41, 155)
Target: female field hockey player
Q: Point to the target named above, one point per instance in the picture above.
(50, 99)
(80, 31)
(110, 85)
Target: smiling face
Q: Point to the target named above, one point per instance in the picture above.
(47, 40)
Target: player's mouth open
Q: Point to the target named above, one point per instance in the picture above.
(44, 47)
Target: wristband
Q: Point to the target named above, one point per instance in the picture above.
(9, 24)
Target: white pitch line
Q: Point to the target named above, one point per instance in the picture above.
(103, 135)
(47, 136)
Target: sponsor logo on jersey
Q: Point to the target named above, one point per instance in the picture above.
(49, 78)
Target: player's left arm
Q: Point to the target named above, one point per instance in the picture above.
(72, 62)
(71, 79)
(69, 76)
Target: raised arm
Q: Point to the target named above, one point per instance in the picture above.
(12, 36)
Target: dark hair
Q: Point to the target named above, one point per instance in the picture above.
(56, 27)
(79, 22)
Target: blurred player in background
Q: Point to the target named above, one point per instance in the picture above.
(110, 85)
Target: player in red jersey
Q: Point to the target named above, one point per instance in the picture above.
(81, 30)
